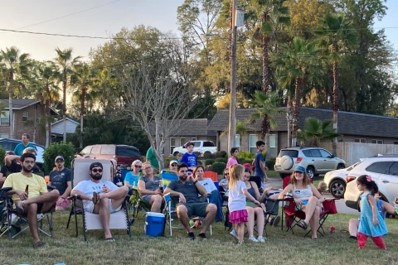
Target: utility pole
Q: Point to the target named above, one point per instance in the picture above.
(232, 104)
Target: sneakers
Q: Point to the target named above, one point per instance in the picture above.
(234, 234)
(253, 239)
(261, 239)
(202, 236)
(191, 236)
(276, 220)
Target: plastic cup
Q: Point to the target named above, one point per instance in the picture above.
(47, 179)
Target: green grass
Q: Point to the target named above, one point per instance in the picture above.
(281, 247)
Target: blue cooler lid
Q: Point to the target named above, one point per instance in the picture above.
(154, 214)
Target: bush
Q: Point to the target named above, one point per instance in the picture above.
(54, 150)
(2, 155)
(221, 154)
(221, 159)
(246, 156)
(209, 162)
(208, 155)
(218, 167)
(270, 163)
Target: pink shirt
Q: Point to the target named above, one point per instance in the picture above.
(232, 161)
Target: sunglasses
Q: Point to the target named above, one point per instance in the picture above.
(95, 170)
(226, 174)
(137, 166)
(173, 165)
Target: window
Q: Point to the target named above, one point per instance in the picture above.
(172, 144)
(271, 152)
(253, 138)
(183, 140)
(237, 140)
(324, 153)
(380, 167)
(208, 143)
(25, 116)
(394, 169)
(3, 135)
(374, 141)
(360, 140)
(5, 118)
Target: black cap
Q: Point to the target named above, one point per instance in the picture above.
(96, 164)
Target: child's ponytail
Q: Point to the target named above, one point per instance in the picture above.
(369, 183)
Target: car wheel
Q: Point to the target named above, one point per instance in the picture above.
(340, 166)
(286, 162)
(337, 188)
(310, 172)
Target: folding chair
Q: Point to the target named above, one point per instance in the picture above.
(91, 221)
(13, 223)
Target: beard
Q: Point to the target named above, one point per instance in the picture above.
(26, 169)
(96, 177)
(183, 177)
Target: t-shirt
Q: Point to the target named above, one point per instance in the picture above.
(151, 157)
(59, 179)
(153, 184)
(20, 147)
(257, 171)
(231, 161)
(190, 159)
(18, 181)
(236, 198)
(188, 189)
(131, 179)
(208, 184)
(88, 187)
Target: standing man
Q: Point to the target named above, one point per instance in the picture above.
(30, 195)
(25, 143)
(185, 192)
(61, 179)
(260, 169)
(190, 158)
(100, 197)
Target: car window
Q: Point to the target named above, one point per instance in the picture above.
(287, 152)
(196, 144)
(380, 167)
(208, 143)
(108, 149)
(325, 153)
(96, 149)
(86, 150)
(8, 146)
(394, 169)
(312, 153)
(127, 151)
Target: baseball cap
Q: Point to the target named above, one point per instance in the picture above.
(299, 169)
(96, 164)
(173, 162)
(59, 158)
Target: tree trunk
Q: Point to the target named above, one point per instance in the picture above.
(335, 106)
(64, 106)
(265, 60)
(296, 110)
(10, 112)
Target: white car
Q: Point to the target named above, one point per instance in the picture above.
(335, 180)
(383, 170)
(201, 146)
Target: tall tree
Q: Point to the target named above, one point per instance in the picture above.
(15, 66)
(316, 131)
(65, 62)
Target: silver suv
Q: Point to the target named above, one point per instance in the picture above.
(315, 160)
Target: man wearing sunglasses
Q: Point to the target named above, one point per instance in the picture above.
(100, 197)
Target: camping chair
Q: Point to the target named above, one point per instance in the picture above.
(272, 211)
(91, 221)
(13, 223)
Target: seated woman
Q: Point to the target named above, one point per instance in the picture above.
(211, 189)
(307, 198)
(150, 188)
(132, 177)
(253, 210)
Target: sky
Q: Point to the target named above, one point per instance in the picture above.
(103, 18)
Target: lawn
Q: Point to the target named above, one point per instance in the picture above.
(281, 247)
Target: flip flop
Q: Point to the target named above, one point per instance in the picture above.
(302, 224)
(38, 244)
(96, 198)
(110, 239)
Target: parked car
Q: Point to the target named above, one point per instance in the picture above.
(123, 154)
(335, 180)
(383, 170)
(315, 160)
(201, 146)
(9, 144)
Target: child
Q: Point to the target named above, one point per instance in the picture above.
(237, 201)
(322, 187)
(371, 223)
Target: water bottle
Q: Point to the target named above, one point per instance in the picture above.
(161, 186)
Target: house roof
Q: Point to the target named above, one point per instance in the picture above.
(19, 104)
(349, 123)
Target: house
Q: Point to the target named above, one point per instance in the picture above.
(353, 127)
(57, 128)
(28, 116)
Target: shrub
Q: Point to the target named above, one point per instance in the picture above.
(270, 163)
(65, 150)
(221, 154)
(221, 159)
(218, 167)
(2, 154)
(246, 156)
(208, 155)
(209, 162)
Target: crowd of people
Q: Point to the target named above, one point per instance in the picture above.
(193, 194)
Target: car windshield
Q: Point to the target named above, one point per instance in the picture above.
(291, 153)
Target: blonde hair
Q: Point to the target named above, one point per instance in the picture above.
(293, 179)
(235, 174)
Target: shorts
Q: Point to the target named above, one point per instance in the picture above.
(238, 217)
(251, 204)
(197, 209)
(89, 207)
(147, 198)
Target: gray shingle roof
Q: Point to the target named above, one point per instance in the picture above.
(349, 123)
(192, 127)
(19, 103)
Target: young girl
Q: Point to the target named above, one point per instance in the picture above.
(371, 223)
(237, 201)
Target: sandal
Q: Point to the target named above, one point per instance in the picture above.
(110, 239)
(302, 224)
(96, 198)
(38, 244)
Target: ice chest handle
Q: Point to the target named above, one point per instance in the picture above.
(154, 224)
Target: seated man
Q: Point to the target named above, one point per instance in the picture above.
(151, 189)
(187, 190)
(30, 195)
(100, 197)
(61, 179)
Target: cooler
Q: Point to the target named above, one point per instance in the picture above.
(154, 224)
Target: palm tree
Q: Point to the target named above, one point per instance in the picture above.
(296, 64)
(14, 68)
(65, 62)
(335, 34)
(316, 131)
(266, 108)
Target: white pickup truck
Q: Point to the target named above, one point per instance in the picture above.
(201, 146)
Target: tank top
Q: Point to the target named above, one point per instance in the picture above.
(302, 193)
(251, 190)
